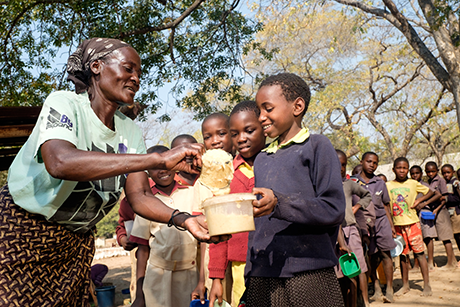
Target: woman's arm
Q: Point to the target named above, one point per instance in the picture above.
(64, 161)
(145, 204)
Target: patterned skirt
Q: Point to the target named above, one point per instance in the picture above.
(318, 288)
(41, 263)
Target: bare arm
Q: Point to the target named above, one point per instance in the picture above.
(145, 204)
(64, 161)
(427, 198)
(142, 255)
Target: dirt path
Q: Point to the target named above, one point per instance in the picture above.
(445, 284)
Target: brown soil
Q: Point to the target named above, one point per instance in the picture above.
(445, 283)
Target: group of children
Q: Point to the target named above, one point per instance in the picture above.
(305, 206)
(417, 211)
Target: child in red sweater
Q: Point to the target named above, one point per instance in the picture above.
(248, 138)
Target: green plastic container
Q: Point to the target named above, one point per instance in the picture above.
(350, 265)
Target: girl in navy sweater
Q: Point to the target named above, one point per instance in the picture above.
(291, 255)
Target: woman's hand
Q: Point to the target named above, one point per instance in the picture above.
(216, 292)
(266, 204)
(198, 227)
(185, 158)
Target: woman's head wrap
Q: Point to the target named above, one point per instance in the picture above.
(78, 64)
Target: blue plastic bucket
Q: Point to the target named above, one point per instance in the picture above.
(106, 296)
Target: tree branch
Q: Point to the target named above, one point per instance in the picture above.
(169, 25)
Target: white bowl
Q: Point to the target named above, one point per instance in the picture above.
(395, 252)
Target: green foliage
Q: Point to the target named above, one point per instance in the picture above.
(206, 45)
(107, 226)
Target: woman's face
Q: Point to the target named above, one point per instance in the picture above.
(118, 79)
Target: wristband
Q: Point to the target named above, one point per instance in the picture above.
(173, 215)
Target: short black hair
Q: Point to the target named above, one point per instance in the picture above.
(431, 163)
(400, 159)
(216, 116)
(368, 153)
(185, 137)
(246, 106)
(449, 166)
(158, 149)
(340, 153)
(416, 167)
(292, 87)
(357, 169)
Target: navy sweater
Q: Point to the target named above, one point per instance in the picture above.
(301, 233)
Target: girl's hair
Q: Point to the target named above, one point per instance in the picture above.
(431, 163)
(368, 153)
(449, 166)
(291, 85)
(400, 159)
(416, 167)
(157, 149)
(246, 106)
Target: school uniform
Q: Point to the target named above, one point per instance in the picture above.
(171, 274)
(293, 248)
(381, 237)
(442, 222)
(233, 252)
(349, 224)
(453, 204)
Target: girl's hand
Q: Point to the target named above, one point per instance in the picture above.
(266, 204)
(185, 158)
(216, 292)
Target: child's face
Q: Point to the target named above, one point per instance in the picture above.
(431, 171)
(370, 163)
(162, 178)
(216, 134)
(247, 134)
(416, 174)
(447, 173)
(343, 165)
(401, 170)
(276, 113)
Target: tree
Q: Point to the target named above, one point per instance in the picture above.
(432, 21)
(189, 43)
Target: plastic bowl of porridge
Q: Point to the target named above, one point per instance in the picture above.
(231, 213)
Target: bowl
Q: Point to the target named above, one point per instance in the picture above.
(350, 265)
(231, 213)
(426, 215)
(395, 252)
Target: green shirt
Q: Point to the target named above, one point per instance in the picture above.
(78, 205)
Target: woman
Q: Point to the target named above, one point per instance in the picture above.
(70, 173)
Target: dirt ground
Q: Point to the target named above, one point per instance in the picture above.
(445, 283)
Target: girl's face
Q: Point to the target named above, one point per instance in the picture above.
(276, 113)
(401, 169)
(216, 134)
(247, 135)
(447, 173)
(431, 171)
(370, 163)
(118, 76)
(416, 174)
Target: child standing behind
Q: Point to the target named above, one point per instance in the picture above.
(381, 234)
(248, 138)
(291, 254)
(442, 224)
(351, 232)
(403, 193)
(167, 270)
(452, 200)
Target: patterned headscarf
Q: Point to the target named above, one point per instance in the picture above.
(90, 50)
